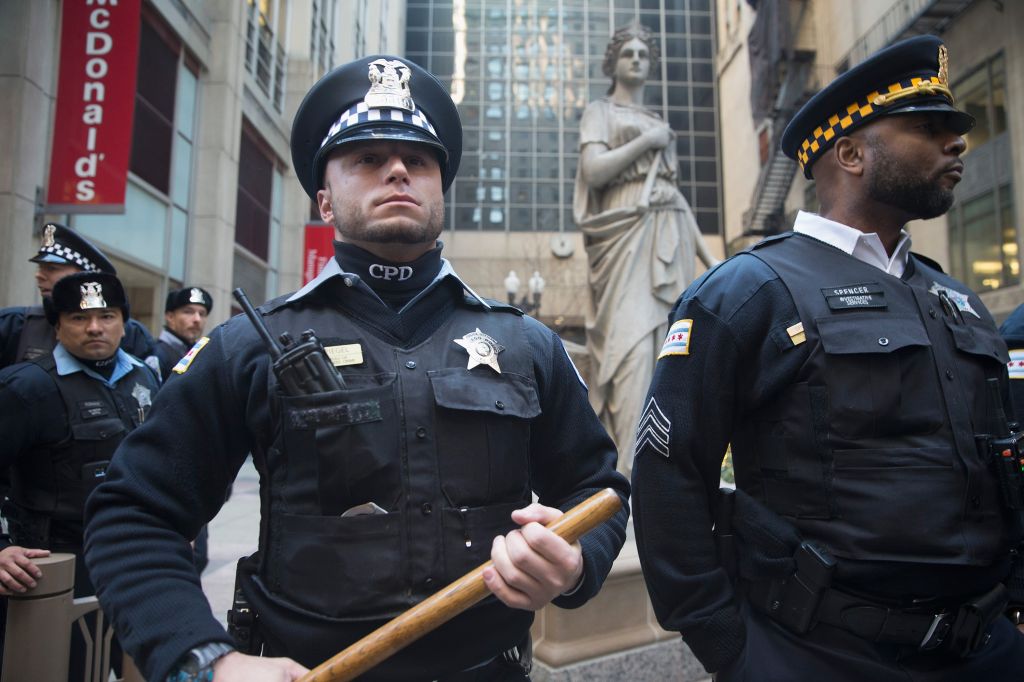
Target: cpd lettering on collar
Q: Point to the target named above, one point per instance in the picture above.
(390, 273)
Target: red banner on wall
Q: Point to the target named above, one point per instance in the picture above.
(92, 134)
(317, 249)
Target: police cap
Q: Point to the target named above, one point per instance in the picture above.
(63, 245)
(86, 291)
(908, 77)
(379, 97)
(178, 298)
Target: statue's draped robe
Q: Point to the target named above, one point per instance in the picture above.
(638, 267)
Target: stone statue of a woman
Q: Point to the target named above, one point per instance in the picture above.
(639, 231)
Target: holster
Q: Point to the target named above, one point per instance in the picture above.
(242, 618)
(793, 601)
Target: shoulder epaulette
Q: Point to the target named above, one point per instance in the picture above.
(273, 304)
(928, 261)
(770, 240)
(493, 304)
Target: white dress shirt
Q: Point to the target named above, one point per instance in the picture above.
(864, 246)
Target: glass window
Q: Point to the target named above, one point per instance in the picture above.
(153, 126)
(531, 66)
(973, 98)
(265, 57)
(179, 234)
(250, 276)
(140, 231)
(255, 180)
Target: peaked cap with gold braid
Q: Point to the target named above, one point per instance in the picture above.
(908, 77)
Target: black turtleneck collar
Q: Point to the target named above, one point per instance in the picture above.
(105, 368)
(395, 283)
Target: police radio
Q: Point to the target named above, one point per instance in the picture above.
(1006, 448)
(302, 368)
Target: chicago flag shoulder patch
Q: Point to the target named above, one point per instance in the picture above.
(1015, 366)
(678, 340)
(654, 430)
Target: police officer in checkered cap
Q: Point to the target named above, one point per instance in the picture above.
(872, 533)
(455, 410)
(24, 332)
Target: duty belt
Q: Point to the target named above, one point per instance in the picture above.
(806, 598)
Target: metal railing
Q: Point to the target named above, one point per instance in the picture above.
(903, 16)
(37, 644)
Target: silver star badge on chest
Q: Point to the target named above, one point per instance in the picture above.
(482, 349)
(142, 395)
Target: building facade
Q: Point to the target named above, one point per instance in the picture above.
(211, 197)
(762, 83)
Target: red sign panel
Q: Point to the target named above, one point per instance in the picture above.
(92, 137)
(318, 248)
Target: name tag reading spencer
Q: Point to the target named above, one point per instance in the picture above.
(848, 296)
(344, 355)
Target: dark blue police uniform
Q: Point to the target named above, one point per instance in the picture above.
(869, 538)
(447, 451)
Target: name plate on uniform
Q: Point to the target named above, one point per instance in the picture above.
(848, 296)
(344, 355)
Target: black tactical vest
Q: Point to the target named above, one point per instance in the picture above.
(441, 448)
(872, 450)
(37, 338)
(49, 485)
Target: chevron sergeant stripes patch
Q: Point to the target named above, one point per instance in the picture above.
(654, 429)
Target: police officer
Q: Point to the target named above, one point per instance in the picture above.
(24, 331)
(858, 387)
(185, 313)
(453, 410)
(61, 416)
(185, 316)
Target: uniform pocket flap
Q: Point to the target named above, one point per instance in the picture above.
(852, 334)
(98, 429)
(506, 394)
(979, 341)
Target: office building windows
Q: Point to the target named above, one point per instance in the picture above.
(983, 225)
(265, 59)
(521, 73)
(257, 216)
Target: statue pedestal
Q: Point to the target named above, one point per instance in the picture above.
(613, 637)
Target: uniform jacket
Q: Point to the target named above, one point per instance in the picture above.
(60, 423)
(169, 349)
(224, 405)
(851, 398)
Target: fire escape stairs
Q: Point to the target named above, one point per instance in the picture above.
(906, 18)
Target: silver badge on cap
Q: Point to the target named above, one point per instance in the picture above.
(92, 296)
(389, 86)
(482, 349)
(195, 296)
(49, 239)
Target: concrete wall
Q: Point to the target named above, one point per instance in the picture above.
(28, 80)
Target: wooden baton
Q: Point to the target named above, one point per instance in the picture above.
(450, 601)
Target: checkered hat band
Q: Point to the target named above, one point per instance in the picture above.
(360, 113)
(854, 113)
(71, 256)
